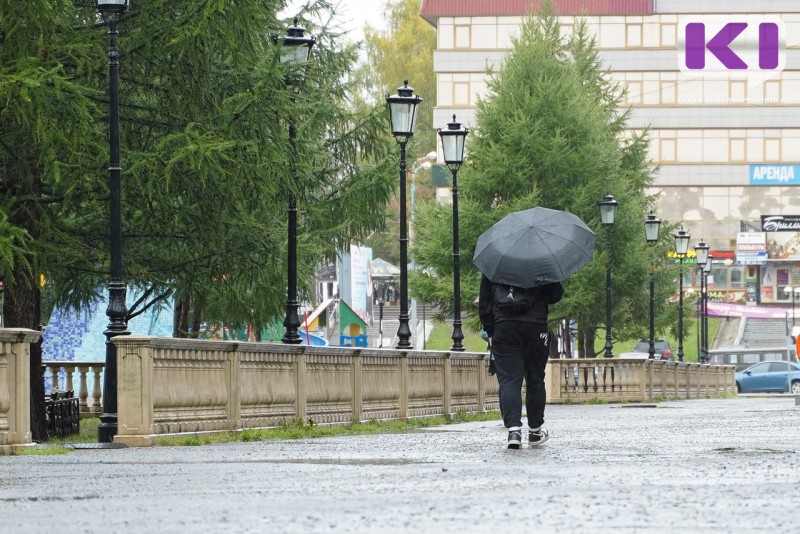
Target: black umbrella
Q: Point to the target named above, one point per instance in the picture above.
(535, 246)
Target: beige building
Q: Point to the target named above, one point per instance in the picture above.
(727, 139)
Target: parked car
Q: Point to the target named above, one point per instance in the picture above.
(662, 349)
(779, 376)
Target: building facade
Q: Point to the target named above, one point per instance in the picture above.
(726, 141)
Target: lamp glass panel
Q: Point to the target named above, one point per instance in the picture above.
(702, 253)
(607, 213)
(402, 118)
(682, 242)
(651, 231)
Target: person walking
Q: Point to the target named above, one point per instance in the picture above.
(515, 320)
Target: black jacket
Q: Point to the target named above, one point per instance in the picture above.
(536, 313)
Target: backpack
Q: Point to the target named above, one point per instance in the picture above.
(512, 300)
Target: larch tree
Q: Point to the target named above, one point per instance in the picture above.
(207, 163)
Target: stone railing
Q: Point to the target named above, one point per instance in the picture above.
(168, 386)
(173, 386)
(15, 404)
(87, 373)
(615, 380)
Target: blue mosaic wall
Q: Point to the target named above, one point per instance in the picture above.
(78, 335)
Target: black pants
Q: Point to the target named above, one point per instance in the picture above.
(521, 351)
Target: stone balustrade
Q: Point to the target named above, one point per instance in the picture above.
(169, 386)
(615, 380)
(87, 372)
(15, 404)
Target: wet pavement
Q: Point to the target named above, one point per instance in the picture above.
(722, 465)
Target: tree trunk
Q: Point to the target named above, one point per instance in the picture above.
(197, 316)
(21, 306)
(180, 317)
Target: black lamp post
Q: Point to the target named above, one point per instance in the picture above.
(380, 318)
(681, 247)
(403, 112)
(608, 211)
(117, 312)
(706, 273)
(453, 148)
(651, 226)
(701, 253)
(295, 54)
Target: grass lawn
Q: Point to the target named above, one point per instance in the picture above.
(440, 338)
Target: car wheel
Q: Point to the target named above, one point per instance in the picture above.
(739, 388)
(796, 387)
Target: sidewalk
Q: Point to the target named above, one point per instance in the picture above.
(723, 465)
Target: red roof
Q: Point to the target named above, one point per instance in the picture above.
(433, 9)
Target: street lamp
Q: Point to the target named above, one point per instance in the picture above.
(403, 114)
(117, 312)
(651, 226)
(706, 275)
(681, 248)
(453, 148)
(295, 55)
(608, 211)
(701, 253)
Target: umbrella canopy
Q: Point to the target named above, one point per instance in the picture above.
(535, 246)
(383, 269)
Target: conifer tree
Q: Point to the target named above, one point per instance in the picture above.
(549, 133)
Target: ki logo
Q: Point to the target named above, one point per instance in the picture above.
(732, 46)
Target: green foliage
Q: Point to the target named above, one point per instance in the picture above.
(550, 133)
(404, 51)
(208, 162)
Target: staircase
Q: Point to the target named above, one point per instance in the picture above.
(759, 333)
(391, 322)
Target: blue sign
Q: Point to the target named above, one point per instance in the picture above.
(774, 174)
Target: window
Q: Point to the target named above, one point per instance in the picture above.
(736, 277)
(738, 149)
(462, 37)
(772, 150)
(667, 149)
(633, 35)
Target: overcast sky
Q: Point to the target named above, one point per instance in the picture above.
(354, 14)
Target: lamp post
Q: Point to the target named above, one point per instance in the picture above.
(403, 113)
(701, 253)
(295, 55)
(380, 319)
(608, 212)
(117, 312)
(453, 138)
(651, 226)
(681, 247)
(706, 275)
